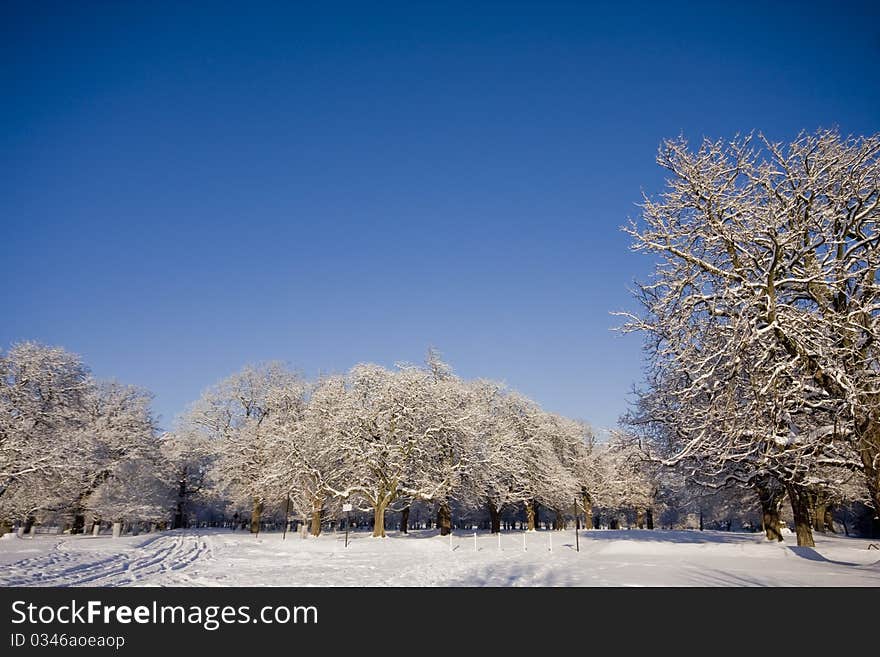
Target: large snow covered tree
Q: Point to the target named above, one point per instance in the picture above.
(404, 434)
(42, 391)
(309, 464)
(763, 309)
(233, 415)
(64, 435)
(119, 430)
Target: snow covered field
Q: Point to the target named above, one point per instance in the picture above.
(423, 558)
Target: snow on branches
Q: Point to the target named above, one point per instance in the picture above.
(762, 314)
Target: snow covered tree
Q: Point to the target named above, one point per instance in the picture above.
(118, 429)
(136, 492)
(625, 481)
(64, 435)
(309, 464)
(186, 462)
(403, 432)
(42, 391)
(233, 416)
(763, 307)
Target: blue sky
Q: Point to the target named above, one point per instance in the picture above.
(186, 188)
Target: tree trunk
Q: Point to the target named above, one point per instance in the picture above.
(379, 520)
(177, 522)
(649, 516)
(531, 516)
(494, 516)
(256, 515)
(800, 507)
(79, 523)
(558, 520)
(179, 518)
(640, 518)
(819, 512)
(770, 497)
(867, 430)
(5, 527)
(317, 506)
(444, 519)
(588, 509)
(29, 525)
(829, 520)
(404, 520)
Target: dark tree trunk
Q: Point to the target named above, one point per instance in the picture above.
(28, 524)
(531, 516)
(649, 516)
(800, 507)
(79, 522)
(494, 517)
(829, 519)
(588, 509)
(640, 519)
(819, 512)
(444, 519)
(179, 521)
(404, 520)
(256, 515)
(868, 434)
(771, 497)
(317, 506)
(558, 519)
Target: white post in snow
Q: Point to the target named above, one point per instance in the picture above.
(475, 541)
(550, 534)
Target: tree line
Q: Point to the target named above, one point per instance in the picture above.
(81, 451)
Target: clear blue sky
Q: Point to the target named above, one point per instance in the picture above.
(184, 188)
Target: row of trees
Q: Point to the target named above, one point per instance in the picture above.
(384, 440)
(762, 321)
(82, 450)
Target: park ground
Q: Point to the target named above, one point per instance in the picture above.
(423, 558)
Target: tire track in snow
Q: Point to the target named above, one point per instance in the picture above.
(162, 555)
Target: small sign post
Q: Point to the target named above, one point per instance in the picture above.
(347, 509)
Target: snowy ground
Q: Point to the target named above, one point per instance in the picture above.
(423, 558)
